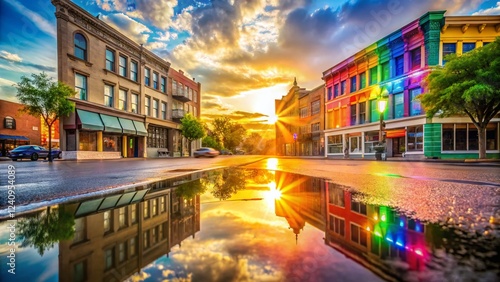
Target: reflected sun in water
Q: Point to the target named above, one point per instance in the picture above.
(272, 164)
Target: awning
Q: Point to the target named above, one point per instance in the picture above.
(395, 133)
(89, 120)
(111, 124)
(13, 137)
(127, 125)
(141, 129)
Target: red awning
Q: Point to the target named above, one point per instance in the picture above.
(395, 133)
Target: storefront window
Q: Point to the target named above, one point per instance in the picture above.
(461, 137)
(176, 146)
(88, 141)
(448, 138)
(473, 138)
(491, 133)
(415, 138)
(111, 143)
(355, 144)
(465, 137)
(335, 144)
(371, 139)
(157, 137)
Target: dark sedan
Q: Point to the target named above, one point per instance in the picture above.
(206, 152)
(32, 152)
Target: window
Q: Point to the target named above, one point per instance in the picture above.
(163, 110)
(373, 75)
(109, 258)
(146, 240)
(315, 127)
(147, 105)
(147, 74)
(155, 80)
(461, 137)
(415, 55)
(157, 137)
(195, 96)
(386, 71)
(374, 113)
(357, 206)
(122, 252)
(362, 112)
(353, 84)
(108, 95)
(415, 106)
(122, 66)
(400, 65)
(154, 207)
(336, 194)
(163, 83)
(80, 230)
(133, 71)
(353, 114)
(303, 112)
(399, 105)
(9, 123)
(133, 213)
(81, 86)
(359, 235)
(80, 46)
(146, 209)
(162, 204)
(110, 60)
(122, 217)
(468, 46)
(80, 271)
(337, 225)
(342, 87)
(448, 131)
(335, 144)
(491, 133)
(122, 100)
(134, 103)
(315, 107)
(155, 108)
(132, 246)
(362, 80)
(336, 90)
(174, 87)
(107, 221)
(448, 49)
(415, 139)
(330, 92)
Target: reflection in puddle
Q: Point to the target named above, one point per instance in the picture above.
(241, 225)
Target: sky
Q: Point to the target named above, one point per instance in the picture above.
(245, 53)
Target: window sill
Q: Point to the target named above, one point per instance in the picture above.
(75, 58)
(106, 71)
(157, 90)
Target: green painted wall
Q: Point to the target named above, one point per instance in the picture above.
(432, 140)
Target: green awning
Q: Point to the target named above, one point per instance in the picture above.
(141, 129)
(111, 124)
(127, 125)
(90, 120)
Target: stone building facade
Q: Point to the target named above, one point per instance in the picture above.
(123, 104)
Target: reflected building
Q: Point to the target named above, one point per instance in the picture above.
(118, 235)
(302, 200)
(377, 237)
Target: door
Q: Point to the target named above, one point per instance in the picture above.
(398, 146)
(130, 146)
(136, 147)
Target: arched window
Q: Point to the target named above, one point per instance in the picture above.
(9, 123)
(80, 46)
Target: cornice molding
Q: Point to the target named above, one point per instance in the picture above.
(71, 12)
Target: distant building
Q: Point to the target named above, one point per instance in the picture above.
(300, 122)
(396, 65)
(125, 98)
(17, 128)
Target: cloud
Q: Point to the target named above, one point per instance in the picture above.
(40, 22)
(129, 27)
(489, 11)
(25, 67)
(9, 56)
(159, 13)
(7, 90)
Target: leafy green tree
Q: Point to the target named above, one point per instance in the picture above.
(189, 190)
(252, 144)
(43, 97)
(227, 133)
(46, 228)
(209, 141)
(468, 84)
(192, 128)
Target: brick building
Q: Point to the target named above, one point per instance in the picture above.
(17, 128)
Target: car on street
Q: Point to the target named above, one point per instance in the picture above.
(206, 152)
(33, 152)
(225, 152)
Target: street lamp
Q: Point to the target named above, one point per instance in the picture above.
(382, 104)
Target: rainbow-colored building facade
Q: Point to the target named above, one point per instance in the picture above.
(395, 67)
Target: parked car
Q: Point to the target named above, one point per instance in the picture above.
(206, 152)
(225, 152)
(32, 152)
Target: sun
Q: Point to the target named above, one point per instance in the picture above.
(272, 119)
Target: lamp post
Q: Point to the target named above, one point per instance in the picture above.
(382, 103)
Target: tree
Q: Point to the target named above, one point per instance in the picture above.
(209, 141)
(43, 97)
(468, 84)
(192, 129)
(253, 144)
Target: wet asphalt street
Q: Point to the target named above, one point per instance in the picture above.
(468, 192)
